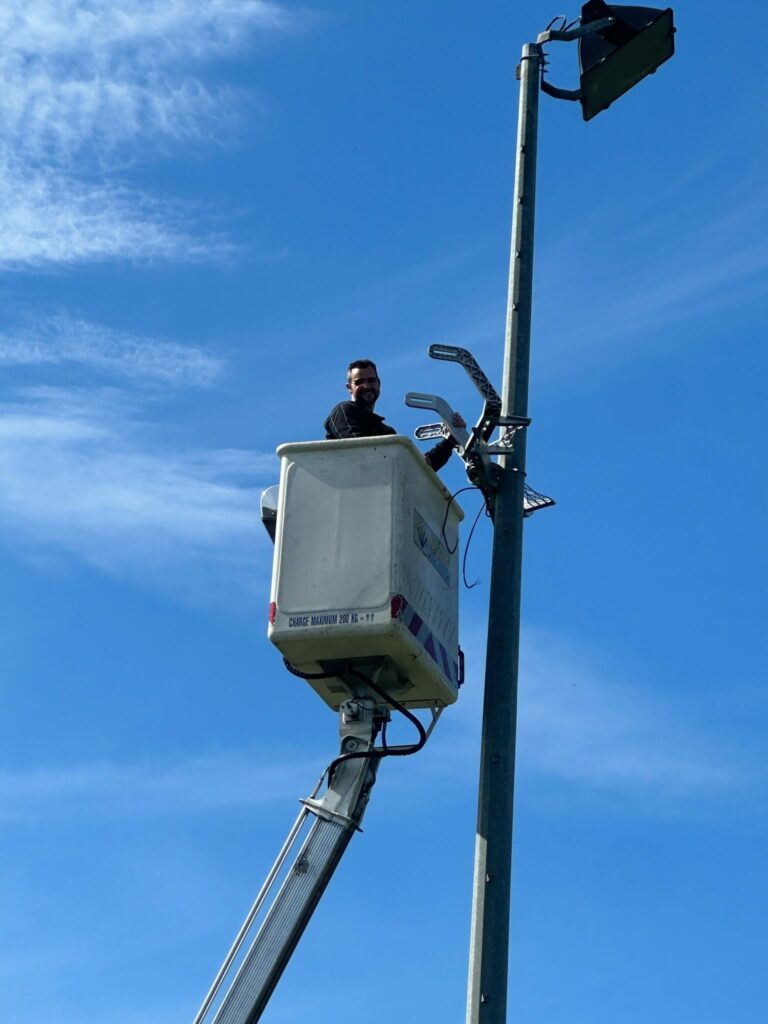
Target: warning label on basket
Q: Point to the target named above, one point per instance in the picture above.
(329, 619)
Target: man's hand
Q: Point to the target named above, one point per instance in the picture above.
(458, 421)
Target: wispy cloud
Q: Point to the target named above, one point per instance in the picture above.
(62, 339)
(589, 729)
(74, 72)
(59, 27)
(577, 724)
(86, 85)
(99, 790)
(78, 472)
(48, 218)
(657, 267)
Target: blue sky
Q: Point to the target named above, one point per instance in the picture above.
(207, 208)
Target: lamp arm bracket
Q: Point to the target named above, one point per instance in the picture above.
(558, 36)
(559, 94)
(419, 400)
(568, 36)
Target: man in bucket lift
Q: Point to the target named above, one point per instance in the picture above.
(356, 418)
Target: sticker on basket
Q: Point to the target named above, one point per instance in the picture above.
(430, 545)
(329, 619)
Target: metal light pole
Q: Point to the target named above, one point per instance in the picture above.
(489, 939)
(618, 47)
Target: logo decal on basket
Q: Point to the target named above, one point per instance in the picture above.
(431, 546)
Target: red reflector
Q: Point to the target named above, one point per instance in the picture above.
(397, 605)
(272, 612)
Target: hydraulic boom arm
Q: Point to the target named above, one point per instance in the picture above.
(335, 817)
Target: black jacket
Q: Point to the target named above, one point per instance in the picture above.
(351, 419)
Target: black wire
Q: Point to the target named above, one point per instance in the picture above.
(455, 494)
(450, 549)
(483, 508)
(307, 675)
(384, 750)
(558, 17)
(381, 751)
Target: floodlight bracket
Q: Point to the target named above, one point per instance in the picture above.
(568, 36)
(560, 94)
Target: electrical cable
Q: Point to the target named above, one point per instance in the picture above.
(558, 17)
(307, 675)
(455, 494)
(451, 550)
(384, 750)
(483, 508)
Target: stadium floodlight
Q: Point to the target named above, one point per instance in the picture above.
(615, 58)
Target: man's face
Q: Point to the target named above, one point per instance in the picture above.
(364, 386)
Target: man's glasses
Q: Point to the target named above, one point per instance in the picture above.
(363, 380)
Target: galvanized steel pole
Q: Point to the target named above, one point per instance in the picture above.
(489, 940)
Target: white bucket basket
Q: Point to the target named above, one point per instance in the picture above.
(366, 567)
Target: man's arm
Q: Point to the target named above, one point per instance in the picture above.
(438, 456)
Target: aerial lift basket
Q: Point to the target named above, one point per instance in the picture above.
(366, 568)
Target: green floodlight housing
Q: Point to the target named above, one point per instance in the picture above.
(614, 58)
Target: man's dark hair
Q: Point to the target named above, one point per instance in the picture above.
(361, 364)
